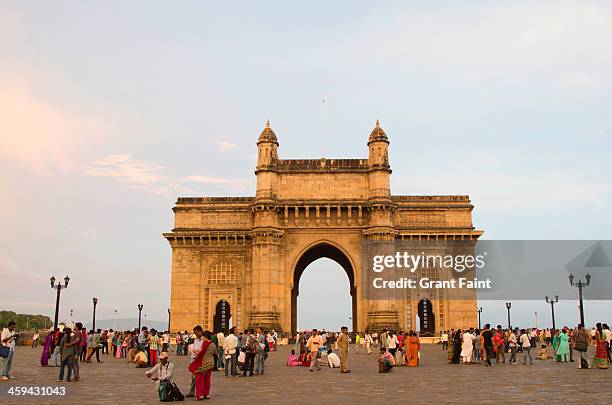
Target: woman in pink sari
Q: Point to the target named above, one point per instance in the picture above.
(202, 367)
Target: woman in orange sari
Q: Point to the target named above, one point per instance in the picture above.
(413, 347)
(202, 366)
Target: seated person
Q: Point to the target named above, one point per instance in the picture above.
(140, 359)
(307, 359)
(162, 372)
(292, 360)
(542, 353)
(385, 361)
(333, 360)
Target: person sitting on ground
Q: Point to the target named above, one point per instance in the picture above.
(140, 358)
(542, 353)
(292, 360)
(385, 361)
(162, 374)
(333, 360)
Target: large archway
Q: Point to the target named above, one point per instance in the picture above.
(320, 250)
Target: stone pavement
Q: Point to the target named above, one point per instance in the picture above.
(435, 381)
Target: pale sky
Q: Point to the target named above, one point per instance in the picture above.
(110, 110)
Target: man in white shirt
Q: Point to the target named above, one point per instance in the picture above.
(314, 342)
(166, 341)
(194, 349)
(230, 342)
(7, 339)
(220, 355)
(444, 340)
(333, 360)
(162, 371)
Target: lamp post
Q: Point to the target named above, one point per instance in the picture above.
(71, 312)
(140, 306)
(59, 288)
(552, 303)
(508, 306)
(479, 312)
(28, 323)
(580, 286)
(93, 324)
(536, 318)
(115, 321)
(168, 321)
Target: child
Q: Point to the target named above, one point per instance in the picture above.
(292, 360)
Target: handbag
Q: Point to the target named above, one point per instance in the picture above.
(5, 351)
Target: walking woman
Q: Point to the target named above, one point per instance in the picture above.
(457, 337)
(563, 346)
(201, 367)
(44, 357)
(412, 349)
(601, 354)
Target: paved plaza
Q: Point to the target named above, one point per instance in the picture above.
(435, 381)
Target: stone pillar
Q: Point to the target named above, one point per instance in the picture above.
(267, 286)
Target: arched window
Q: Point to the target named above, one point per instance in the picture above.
(222, 273)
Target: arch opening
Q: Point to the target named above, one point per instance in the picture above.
(322, 250)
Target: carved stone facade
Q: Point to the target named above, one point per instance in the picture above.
(251, 251)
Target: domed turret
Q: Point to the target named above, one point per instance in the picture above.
(267, 135)
(378, 134)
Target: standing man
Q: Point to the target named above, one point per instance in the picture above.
(230, 342)
(220, 350)
(343, 344)
(261, 351)
(194, 349)
(77, 350)
(444, 340)
(142, 339)
(487, 343)
(313, 343)
(166, 341)
(251, 350)
(35, 340)
(7, 339)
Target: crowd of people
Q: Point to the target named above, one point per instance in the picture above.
(475, 346)
(244, 353)
(317, 347)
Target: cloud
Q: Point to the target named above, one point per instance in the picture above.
(226, 146)
(140, 174)
(153, 177)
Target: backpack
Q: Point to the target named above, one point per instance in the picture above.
(252, 345)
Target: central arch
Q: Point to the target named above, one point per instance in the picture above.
(315, 252)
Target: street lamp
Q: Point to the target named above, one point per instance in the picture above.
(552, 303)
(115, 321)
(139, 315)
(580, 285)
(168, 321)
(59, 288)
(479, 312)
(536, 318)
(95, 302)
(71, 312)
(508, 306)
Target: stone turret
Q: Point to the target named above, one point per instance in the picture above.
(267, 165)
(378, 162)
